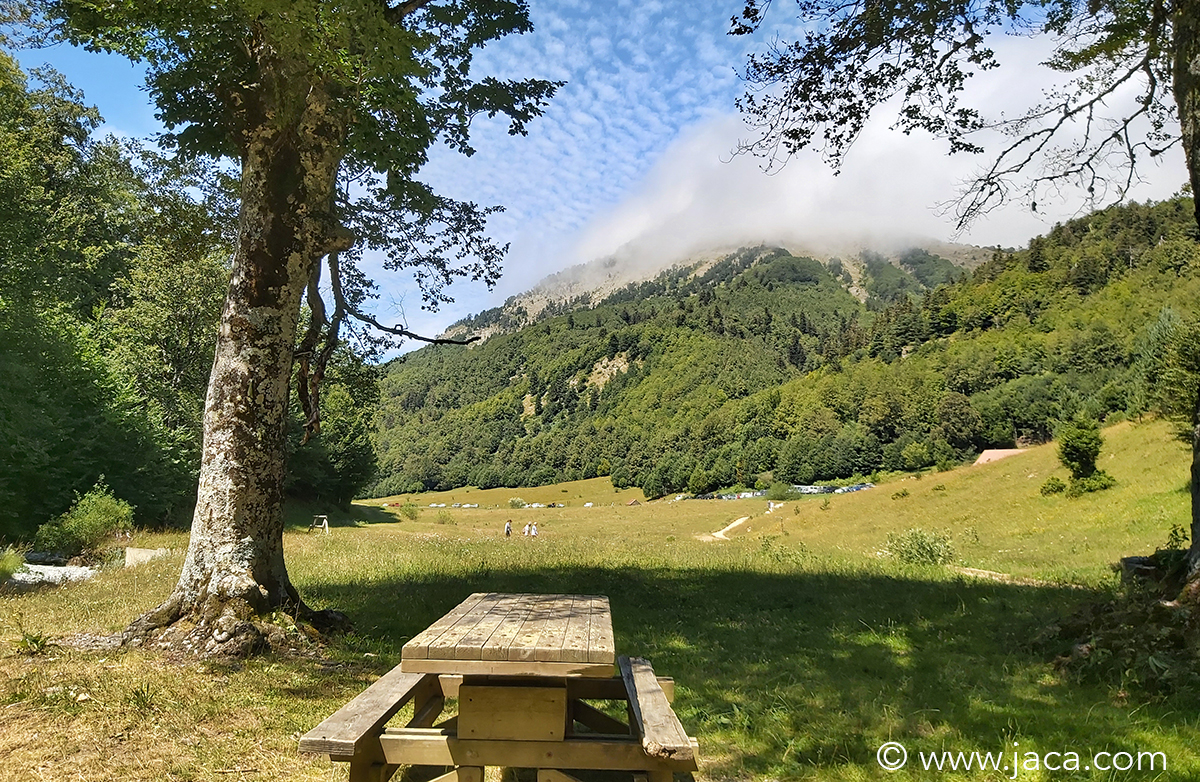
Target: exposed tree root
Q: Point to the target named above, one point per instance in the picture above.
(222, 628)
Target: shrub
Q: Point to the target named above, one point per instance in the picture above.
(1079, 446)
(10, 562)
(916, 456)
(445, 517)
(409, 511)
(1053, 486)
(900, 494)
(919, 547)
(516, 502)
(94, 517)
(780, 491)
(1097, 481)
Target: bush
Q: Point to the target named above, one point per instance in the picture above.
(94, 517)
(516, 502)
(1053, 486)
(445, 517)
(10, 562)
(1079, 447)
(918, 547)
(1097, 481)
(409, 511)
(779, 491)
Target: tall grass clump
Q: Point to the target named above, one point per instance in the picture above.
(10, 562)
(920, 547)
(409, 511)
(95, 517)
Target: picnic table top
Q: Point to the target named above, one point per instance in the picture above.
(500, 634)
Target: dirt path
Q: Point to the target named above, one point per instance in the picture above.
(1005, 578)
(720, 534)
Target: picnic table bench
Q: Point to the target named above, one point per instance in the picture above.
(523, 669)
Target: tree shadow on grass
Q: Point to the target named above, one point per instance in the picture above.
(297, 515)
(782, 674)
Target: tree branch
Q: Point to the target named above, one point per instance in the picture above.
(396, 14)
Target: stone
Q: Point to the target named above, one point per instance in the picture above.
(136, 556)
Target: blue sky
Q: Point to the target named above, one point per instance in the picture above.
(633, 155)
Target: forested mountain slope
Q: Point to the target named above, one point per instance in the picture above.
(766, 363)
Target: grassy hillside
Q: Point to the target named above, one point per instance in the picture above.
(796, 648)
(766, 368)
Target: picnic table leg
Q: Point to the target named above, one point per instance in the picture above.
(371, 770)
(461, 774)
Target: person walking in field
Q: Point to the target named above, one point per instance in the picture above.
(526, 531)
(508, 528)
(533, 532)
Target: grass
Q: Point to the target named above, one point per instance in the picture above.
(796, 648)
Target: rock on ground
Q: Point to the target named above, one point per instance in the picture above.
(32, 575)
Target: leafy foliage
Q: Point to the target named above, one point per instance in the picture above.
(11, 561)
(1053, 485)
(853, 60)
(921, 547)
(113, 272)
(94, 518)
(1079, 446)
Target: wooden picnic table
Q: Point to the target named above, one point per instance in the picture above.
(523, 669)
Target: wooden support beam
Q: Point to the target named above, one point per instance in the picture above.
(439, 748)
(591, 717)
(427, 714)
(661, 733)
(461, 774)
(553, 775)
(612, 689)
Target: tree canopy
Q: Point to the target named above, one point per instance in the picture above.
(329, 111)
(1128, 95)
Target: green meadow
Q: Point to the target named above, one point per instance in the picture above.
(798, 646)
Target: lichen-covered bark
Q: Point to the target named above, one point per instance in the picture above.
(234, 570)
(1185, 22)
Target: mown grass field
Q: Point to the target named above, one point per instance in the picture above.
(797, 648)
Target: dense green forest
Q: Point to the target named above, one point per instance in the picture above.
(765, 367)
(113, 268)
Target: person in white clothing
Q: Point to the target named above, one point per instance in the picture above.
(533, 531)
(526, 531)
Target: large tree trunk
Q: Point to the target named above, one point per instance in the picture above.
(1186, 87)
(234, 570)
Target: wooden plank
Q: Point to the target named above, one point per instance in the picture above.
(662, 734)
(524, 645)
(512, 713)
(445, 646)
(350, 727)
(418, 646)
(591, 717)
(437, 748)
(470, 646)
(507, 668)
(497, 645)
(601, 648)
(554, 631)
(578, 632)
